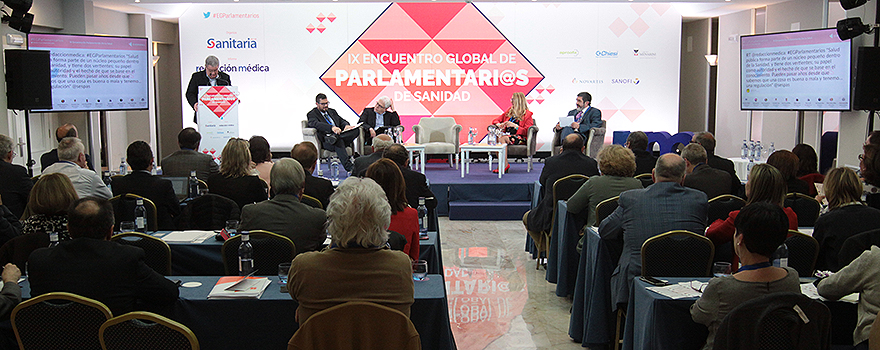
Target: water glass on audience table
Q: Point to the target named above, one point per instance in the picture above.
(231, 227)
(420, 270)
(721, 269)
(283, 270)
(126, 226)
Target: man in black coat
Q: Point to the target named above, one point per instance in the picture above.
(94, 267)
(707, 140)
(377, 119)
(571, 161)
(637, 142)
(320, 188)
(701, 176)
(416, 182)
(142, 183)
(330, 130)
(210, 76)
(15, 183)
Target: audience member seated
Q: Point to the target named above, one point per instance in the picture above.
(262, 157)
(142, 183)
(617, 165)
(235, 180)
(847, 216)
(92, 266)
(861, 276)
(73, 164)
(637, 142)
(10, 294)
(10, 227)
(51, 157)
(641, 214)
(760, 228)
(788, 164)
(707, 140)
(765, 185)
(571, 161)
(808, 166)
(307, 155)
(869, 167)
(181, 163)
(380, 143)
(358, 266)
(416, 182)
(47, 206)
(284, 214)
(873, 138)
(404, 219)
(701, 176)
(15, 183)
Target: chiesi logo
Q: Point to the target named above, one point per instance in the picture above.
(633, 81)
(231, 43)
(606, 54)
(208, 14)
(644, 54)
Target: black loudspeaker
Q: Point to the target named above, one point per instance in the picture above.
(28, 79)
(867, 94)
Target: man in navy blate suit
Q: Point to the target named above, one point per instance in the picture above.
(585, 116)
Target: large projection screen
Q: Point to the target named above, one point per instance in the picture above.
(803, 71)
(96, 73)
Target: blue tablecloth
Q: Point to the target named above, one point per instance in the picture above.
(591, 318)
(562, 262)
(268, 322)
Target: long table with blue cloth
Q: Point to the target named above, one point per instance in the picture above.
(268, 322)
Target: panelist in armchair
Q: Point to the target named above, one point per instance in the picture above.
(378, 118)
(515, 122)
(585, 116)
(330, 127)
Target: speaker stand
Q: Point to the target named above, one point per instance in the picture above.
(27, 132)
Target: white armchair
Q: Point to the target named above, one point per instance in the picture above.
(440, 135)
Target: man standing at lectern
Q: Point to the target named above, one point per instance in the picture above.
(330, 127)
(585, 116)
(211, 76)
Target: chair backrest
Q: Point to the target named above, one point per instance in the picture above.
(59, 321)
(145, 330)
(311, 201)
(806, 208)
(157, 253)
(270, 249)
(645, 179)
(605, 208)
(677, 253)
(123, 209)
(357, 325)
(803, 250)
(855, 245)
(527, 149)
(563, 189)
(776, 321)
(721, 206)
(208, 212)
(436, 129)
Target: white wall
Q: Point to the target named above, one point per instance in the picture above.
(694, 82)
(730, 123)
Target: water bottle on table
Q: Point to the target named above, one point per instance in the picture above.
(123, 167)
(245, 255)
(193, 185)
(334, 169)
(53, 239)
(423, 217)
(780, 257)
(140, 216)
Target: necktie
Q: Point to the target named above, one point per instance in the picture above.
(329, 120)
(577, 118)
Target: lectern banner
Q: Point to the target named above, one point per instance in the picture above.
(217, 111)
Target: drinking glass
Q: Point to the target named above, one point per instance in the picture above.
(127, 226)
(231, 227)
(721, 269)
(420, 270)
(283, 270)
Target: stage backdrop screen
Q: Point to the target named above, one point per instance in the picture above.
(804, 71)
(96, 73)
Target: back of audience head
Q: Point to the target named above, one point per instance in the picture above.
(90, 218)
(573, 141)
(387, 174)
(808, 162)
(358, 214)
(52, 195)
(397, 153)
(765, 185)
(66, 130)
(705, 139)
(763, 227)
(139, 155)
(259, 148)
(306, 154)
(874, 137)
(616, 160)
(670, 167)
(69, 149)
(694, 154)
(870, 164)
(289, 175)
(6, 145)
(235, 161)
(381, 142)
(842, 186)
(637, 140)
(189, 138)
(786, 162)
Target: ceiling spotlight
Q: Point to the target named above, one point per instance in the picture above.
(852, 27)
(851, 4)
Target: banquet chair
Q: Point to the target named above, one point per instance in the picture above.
(528, 150)
(645, 179)
(439, 135)
(19, 249)
(857, 244)
(141, 330)
(157, 253)
(311, 201)
(311, 134)
(806, 207)
(562, 190)
(776, 321)
(357, 325)
(677, 253)
(208, 212)
(594, 141)
(123, 209)
(605, 208)
(803, 250)
(270, 249)
(721, 206)
(59, 321)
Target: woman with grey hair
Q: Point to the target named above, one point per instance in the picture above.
(617, 165)
(358, 266)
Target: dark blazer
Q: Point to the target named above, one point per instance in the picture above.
(182, 162)
(713, 182)
(592, 118)
(317, 121)
(15, 186)
(51, 157)
(566, 163)
(154, 188)
(645, 161)
(243, 190)
(200, 78)
(320, 188)
(111, 273)
(10, 227)
(286, 216)
(726, 165)
(417, 186)
(368, 117)
(363, 162)
(835, 226)
(18, 249)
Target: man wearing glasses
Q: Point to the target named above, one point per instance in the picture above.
(211, 76)
(330, 130)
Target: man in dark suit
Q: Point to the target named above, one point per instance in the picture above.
(15, 183)
(641, 214)
(94, 267)
(188, 158)
(585, 116)
(363, 162)
(284, 214)
(210, 76)
(142, 183)
(330, 130)
(379, 118)
(51, 157)
(707, 140)
(571, 161)
(416, 182)
(307, 155)
(700, 176)
(637, 141)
